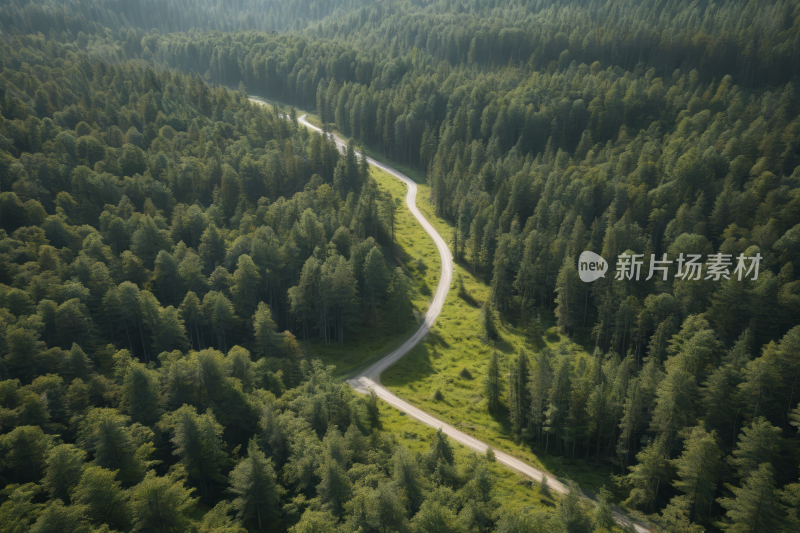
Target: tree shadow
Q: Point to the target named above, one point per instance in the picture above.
(413, 367)
(435, 339)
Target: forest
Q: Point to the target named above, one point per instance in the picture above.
(168, 247)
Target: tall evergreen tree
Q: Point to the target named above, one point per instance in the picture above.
(755, 506)
(257, 492)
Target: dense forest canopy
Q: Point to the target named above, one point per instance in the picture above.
(92, 16)
(165, 243)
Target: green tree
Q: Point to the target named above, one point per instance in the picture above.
(487, 322)
(315, 522)
(572, 513)
(246, 281)
(166, 277)
(18, 511)
(518, 395)
(759, 443)
(63, 471)
(376, 284)
(140, 393)
(25, 450)
(265, 330)
(398, 305)
(257, 492)
(568, 301)
(217, 520)
(106, 433)
(102, 496)
(645, 477)
(755, 506)
(334, 487)
(433, 517)
(198, 442)
(602, 517)
(58, 517)
(408, 478)
(161, 504)
(698, 469)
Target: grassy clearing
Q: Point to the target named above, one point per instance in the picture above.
(416, 253)
(454, 344)
(510, 488)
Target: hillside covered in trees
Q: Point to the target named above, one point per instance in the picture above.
(155, 223)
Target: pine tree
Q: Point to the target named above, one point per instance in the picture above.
(246, 281)
(487, 320)
(106, 433)
(558, 397)
(63, 471)
(568, 302)
(698, 468)
(755, 506)
(376, 283)
(334, 487)
(100, 493)
(408, 478)
(518, 396)
(25, 450)
(645, 477)
(166, 277)
(673, 400)
(602, 517)
(198, 442)
(59, 517)
(265, 330)
(161, 504)
(398, 305)
(253, 482)
(760, 442)
(572, 512)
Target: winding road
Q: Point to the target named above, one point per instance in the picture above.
(370, 378)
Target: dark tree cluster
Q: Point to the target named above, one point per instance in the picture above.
(148, 256)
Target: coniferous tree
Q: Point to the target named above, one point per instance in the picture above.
(103, 497)
(518, 402)
(491, 384)
(161, 504)
(63, 471)
(755, 506)
(698, 468)
(253, 481)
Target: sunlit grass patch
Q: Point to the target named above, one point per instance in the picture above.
(513, 489)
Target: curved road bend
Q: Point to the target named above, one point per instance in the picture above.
(370, 378)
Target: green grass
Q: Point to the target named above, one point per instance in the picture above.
(454, 343)
(510, 487)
